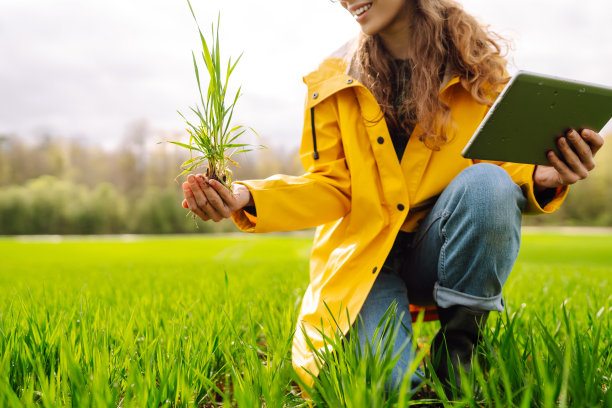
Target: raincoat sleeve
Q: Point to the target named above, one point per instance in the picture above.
(321, 195)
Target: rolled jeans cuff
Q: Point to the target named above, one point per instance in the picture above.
(445, 297)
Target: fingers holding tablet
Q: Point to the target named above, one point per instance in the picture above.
(594, 139)
(577, 151)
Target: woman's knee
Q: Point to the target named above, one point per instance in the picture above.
(490, 191)
(485, 202)
(490, 181)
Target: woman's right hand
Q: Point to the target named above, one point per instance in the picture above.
(211, 200)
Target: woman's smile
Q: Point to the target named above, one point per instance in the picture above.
(377, 16)
(360, 11)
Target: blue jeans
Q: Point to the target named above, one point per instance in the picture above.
(461, 254)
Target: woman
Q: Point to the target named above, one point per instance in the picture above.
(401, 217)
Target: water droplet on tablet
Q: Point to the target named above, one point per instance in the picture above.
(552, 105)
(540, 83)
(556, 93)
(582, 90)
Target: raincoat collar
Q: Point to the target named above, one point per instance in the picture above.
(338, 71)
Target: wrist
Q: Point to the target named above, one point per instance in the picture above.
(540, 180)
(243, 195)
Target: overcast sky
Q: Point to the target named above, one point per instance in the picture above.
(89, 68)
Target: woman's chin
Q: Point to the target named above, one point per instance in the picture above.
(369, 29)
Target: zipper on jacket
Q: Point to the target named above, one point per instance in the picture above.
(314, 134)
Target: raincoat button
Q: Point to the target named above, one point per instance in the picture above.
(380, 140)
(400, 207)
(315, 95)
(374, 270)
(349, 81)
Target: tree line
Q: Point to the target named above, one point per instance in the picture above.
(55, 185)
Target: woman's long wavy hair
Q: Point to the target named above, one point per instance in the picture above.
(443, 36)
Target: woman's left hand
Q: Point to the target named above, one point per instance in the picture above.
(210, 200)
(577, 161)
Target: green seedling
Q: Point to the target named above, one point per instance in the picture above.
(213, 139)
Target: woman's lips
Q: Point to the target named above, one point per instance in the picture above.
(359, 14)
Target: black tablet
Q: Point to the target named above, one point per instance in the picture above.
(533, 111)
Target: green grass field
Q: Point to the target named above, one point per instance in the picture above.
(208, 321)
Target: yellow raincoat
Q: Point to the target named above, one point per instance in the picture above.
(359, 195)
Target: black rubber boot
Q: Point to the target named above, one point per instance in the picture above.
(456, 341)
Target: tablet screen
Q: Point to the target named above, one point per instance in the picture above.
(533, 111)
